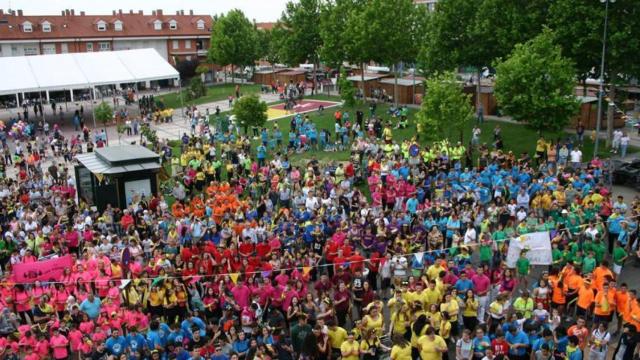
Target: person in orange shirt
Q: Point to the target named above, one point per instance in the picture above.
(580, 331)
(177, 209)
(585, 300)
(605, 304)
(623, 305)
(634, 310)
(600, 275)
(574, 282)
(558, 289)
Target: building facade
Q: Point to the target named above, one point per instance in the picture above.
(176, 37)
(430, 4)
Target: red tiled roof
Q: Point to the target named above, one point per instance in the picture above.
(265, 25)
(74, 26)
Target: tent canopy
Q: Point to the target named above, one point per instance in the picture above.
(82, 70)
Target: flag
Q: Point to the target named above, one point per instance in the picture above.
(306, 270)
(234, 277)
(266, 273)
(419, 256)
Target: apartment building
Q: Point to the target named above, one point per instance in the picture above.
(430, 4)
(176, 37)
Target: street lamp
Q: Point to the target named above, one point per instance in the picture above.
(601, 80)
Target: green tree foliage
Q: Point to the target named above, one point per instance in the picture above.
(195, 90)
(445, 110)
(347, 90)
(233, 40)
(300, 41)
(536, 84)
(334, 17)
(250, 111)
(104, 113)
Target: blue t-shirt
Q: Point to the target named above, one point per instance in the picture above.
(462, 285)
(135, 342)
(92, 309)
(519, 338)
(116, 346)
(479, 348)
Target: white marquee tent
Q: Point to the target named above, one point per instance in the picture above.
(82, 70)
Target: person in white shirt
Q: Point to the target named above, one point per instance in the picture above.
(615, 144)
(576, 158)
(470, 236)
(624, 144)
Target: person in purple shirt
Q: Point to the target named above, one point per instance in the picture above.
(482, 286)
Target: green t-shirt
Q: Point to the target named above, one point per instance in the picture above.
(556, 254)
(499, 235)
(599, 249)
(618, 254)
(522, 265)
(485, 253)
(588, 264)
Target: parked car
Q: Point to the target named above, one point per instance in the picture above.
(628, 174)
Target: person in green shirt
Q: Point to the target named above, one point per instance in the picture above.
(556, 254)
(486, 252)
(600, 249)
(589, 262)
(619, 257)
(522, 267)
(524, 304)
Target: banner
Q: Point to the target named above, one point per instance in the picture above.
(234, 277)
(537, 245)
(46, 270)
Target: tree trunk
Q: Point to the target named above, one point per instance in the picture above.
(478, 86)
(315, 84)
(337, 82)
(233, 75)
(610, 114)
(364, 95)
(395, 85)
(584, 86)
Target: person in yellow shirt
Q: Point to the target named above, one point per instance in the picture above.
(401, 349)
(431, 346)
(400, 320)
(350, 349)
(433, 271)
(432, 295)
(418, 329)
(373, 321)
(451, 306)
(370, 346)
(337, 336)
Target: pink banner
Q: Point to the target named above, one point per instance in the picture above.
(46, 270)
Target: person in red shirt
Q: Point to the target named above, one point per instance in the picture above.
(356, 262)
(126, 220)
(499, 345)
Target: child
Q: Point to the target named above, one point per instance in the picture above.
(523, 267)
(619, 257)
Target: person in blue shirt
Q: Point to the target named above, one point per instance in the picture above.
(463, 284)
(241, 345)
(518, 343)
(116, 344)
(91, 306)
(412, 205)
(157, 335)
(262, 154)
(135, 340)
(481, 343)
(573, 350)
(191, 322)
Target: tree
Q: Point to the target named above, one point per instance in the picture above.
(347, 90)
(445, 110)
(536, 84)
(302, 40)
(233, 41)
(334, 17)
(104, 114)
(187, 68)
(195, 90)
(250, 111)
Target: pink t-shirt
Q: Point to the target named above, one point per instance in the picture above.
(75, 338)
(242, 295)
(481, 283)
(59, 345)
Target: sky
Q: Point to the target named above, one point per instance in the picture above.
(260, 10)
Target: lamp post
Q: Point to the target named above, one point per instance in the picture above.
(601, 80)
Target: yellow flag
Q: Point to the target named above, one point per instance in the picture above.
(234, 277)
(306, 270)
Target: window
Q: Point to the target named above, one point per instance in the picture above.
(102, 26)
(200, 24)
(14, 51)
(64, 48)
(157, 25)
(187, 44)
(117, 26)
(30, 50)
(188, 58)
(27, 27)
(46, 26)
(105, 46)
(49, 48)
(89, 47)
(199, 45)
(175, 44)
(173, 24)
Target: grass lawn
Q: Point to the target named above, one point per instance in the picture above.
(214, 93)
(516, 137)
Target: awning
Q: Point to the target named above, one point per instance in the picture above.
(82, 70)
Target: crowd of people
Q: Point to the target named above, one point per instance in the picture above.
(398, 253)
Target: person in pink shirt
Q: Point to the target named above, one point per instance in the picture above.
(75, 338)
(42, 347)
(241, 294)
(482, 287)
(30, 354)
(282, 279)
(59, 345)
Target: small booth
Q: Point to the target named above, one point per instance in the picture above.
(487, 98)
(588, 114)
(266, 77)
(291, 76)
(371, 82)
(406, 88)
(117, 175)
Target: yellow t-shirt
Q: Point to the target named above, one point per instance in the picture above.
(350, 348)
(435, 318)
(471, 308)
(431, 297)
(400, 353)
(337, 337)
(428, 348)
(445, 329)
(452, 308)
(374, 324)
